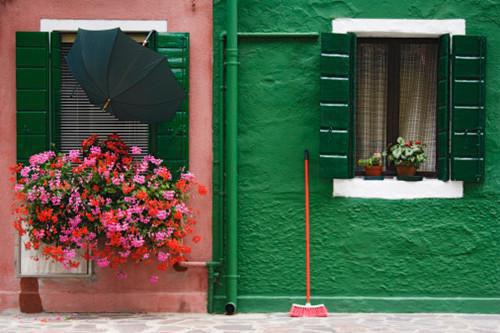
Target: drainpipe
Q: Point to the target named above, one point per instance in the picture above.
(232, 155)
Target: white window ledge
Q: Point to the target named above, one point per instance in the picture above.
(398, 27)
(393, 189)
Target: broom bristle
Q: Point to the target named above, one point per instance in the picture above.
(308, 310)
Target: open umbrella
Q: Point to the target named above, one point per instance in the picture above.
(128, 80)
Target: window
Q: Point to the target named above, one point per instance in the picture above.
(78, 118)
(53, 113)
(396, 95)
(459, 110)
(46, 107)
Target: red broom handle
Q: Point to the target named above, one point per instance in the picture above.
(308, 273)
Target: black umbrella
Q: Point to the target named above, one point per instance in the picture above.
(128, 80)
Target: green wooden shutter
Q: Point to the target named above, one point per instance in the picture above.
(170, 140)
(337, 105)
(468, 108)
(32, 92)
(443, 108)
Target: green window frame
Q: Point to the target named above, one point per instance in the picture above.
(460, 107)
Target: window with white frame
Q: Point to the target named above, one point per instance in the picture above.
(421, 79)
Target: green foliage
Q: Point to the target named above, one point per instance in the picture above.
(407, 152)
(374, 160)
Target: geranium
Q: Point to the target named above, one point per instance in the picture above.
(407, 153)
(101, 202)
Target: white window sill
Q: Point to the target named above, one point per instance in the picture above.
(393, 189)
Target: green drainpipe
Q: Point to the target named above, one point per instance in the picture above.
(232, 155)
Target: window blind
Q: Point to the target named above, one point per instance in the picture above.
(79, 118)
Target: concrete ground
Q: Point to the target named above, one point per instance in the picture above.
(13, 322)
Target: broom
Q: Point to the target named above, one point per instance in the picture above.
(308, 310)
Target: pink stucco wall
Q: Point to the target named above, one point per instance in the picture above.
(175, 291)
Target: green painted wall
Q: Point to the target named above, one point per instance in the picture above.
(368, 255)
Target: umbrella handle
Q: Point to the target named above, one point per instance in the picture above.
(147, 37)
(106, 104)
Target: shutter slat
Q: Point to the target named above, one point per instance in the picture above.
(337, 105)
(468, 108)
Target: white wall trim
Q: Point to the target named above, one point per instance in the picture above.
(394, 189)
(398, 27)
(125, 25)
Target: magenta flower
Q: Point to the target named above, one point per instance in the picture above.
(56, 201)
(168, 195)
(162, 256)
(137, 242)
(153, 279)
(161, 214)
(139, 179)
(121, 275)
(103, 262)
(74, 154)
(135, 150)
(187, 176)
(25, 172)
(95, 150)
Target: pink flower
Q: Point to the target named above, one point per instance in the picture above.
(161, 214)
(103, 262)
(135, 150)
(162, 256)
(95, 150)
(168, 195)
(137, 242)
(187, 176)
(25, 172)
(153, 279)
(121, 275)
(73, 154)
(19, 188)
(56, 201)
(139, 179)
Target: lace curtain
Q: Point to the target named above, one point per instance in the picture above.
(417, 104)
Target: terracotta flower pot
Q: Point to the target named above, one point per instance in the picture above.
(375, 170)
(406, 170)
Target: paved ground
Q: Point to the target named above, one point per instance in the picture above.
(262, 323)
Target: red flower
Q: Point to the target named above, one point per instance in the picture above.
(202, 190)
(196, 239)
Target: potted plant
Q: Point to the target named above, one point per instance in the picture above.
(102, 202)
(372, 165)
(407, 156)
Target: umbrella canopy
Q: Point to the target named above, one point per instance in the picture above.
(128, 80)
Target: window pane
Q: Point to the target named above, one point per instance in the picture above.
(80, 119)
(417, 106)
(371, 115)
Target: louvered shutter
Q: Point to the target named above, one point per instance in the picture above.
(170, 139)
(443, 108)
(468, 108)
(337, 105)
(32, 90)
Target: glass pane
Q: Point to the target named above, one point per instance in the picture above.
(371, 116)
(417, 105)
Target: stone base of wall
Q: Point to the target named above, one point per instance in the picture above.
(251, 303)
